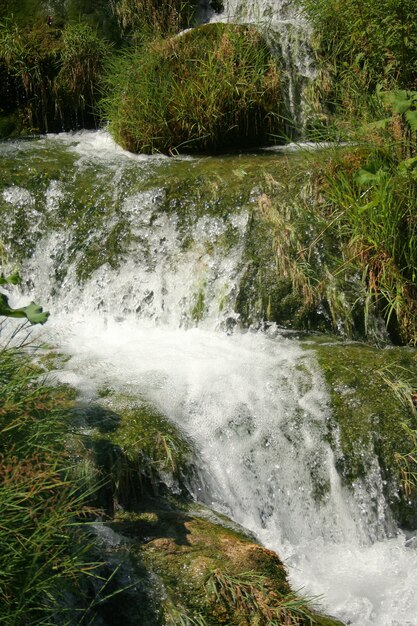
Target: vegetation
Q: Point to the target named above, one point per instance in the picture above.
(349, 254)
(33, 312)
(348, 259)
(343, 257)
(225, 577)
(213, 88)
(136, 450)
(377, 38)
(51, 55)
(50, 75)
(372, 394)
(138, 18)
(42, 554)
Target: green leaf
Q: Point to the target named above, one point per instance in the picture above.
(240, 173)
(358, 58)
(368, 206)
(401, 106)
(380, 123)
(33, 312)
(390, 97)
(407, 165)
(370, 175)
(411, 117)
(13, 279)
(399, 101)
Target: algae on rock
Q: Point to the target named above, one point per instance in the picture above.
(372, 394)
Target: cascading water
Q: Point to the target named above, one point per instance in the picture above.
(140, 269)
(289, 37)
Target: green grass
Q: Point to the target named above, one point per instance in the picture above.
(251, 596)
(49, 75)
(43, 557)
(374, 201)
(379, 34)
(368, 73)
(345, 243)
(140, 17)
(214, 88)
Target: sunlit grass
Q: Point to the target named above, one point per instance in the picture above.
(214, 88)
(42, 553)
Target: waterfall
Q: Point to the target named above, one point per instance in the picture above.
(139, 260)
(289, 37)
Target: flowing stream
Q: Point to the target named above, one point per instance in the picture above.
(139, 260)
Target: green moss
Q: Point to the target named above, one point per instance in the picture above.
(194, 559)
(372, 393)
(191, 550)
(197, 312)
(134, 448)
(145, 433)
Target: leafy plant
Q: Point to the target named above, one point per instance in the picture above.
(379, 34)
(33, 312)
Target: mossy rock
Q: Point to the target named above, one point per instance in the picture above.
(190, 565)
(372, 393)
(213, 88)
(133, 449)
(206, 570)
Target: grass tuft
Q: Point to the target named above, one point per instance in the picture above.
(43, 556)
(249, 595)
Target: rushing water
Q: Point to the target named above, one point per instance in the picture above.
(139, 260)
(288, 34)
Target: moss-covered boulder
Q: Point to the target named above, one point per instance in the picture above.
(132, 450)
(225, 577)
(373, 402)
(212, 88)
(191, 566)
(168, 561)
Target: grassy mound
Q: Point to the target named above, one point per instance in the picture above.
(213, 88)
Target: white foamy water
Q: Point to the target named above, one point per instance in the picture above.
(288, 34)
(261, 12)
(256, 409)
(254, 404)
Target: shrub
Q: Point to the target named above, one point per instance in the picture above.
(49, 75)
(139, 16)
(213, 88)
(28, 61)
(81, 59)
(362, 47)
